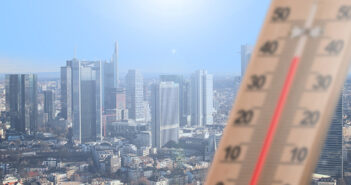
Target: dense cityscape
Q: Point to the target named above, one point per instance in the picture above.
(92, 125)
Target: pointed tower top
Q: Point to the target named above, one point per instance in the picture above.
(116, 47)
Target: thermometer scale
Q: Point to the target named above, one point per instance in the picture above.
(276, 128)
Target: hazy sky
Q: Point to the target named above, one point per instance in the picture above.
(174, 36)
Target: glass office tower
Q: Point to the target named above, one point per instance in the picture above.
(21, 102)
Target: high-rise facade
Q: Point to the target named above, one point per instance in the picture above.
(66, 93)
(21, 102)
(135, 95)
(246, 51)
(187, 103)
(90, 101)
(87, 99)
(331, 160)
(115, 65)
(121, 99)
(110, 80)
(49, 103)
(74, 64)
(165, 113)
(121, 108)
(201, 99)
(183, 96)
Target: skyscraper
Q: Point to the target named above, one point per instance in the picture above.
(135, 95)
(90, 101)
(121, 108)
(121, 98)
(201, 98)
(49, 102)
(246, 51)
(86, 93)
(183, 98)
(165, 113)
(115, 65)
(66, 93)
(74, 65)
(21, 102)
(187, 103)
(331, 160)
(110, 80)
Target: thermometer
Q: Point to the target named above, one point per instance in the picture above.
(282, 113)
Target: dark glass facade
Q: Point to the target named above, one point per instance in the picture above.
(331, 160)
(49, 100)
(66, 93)
(21, 102)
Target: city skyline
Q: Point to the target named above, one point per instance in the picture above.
(84, 82)
(142, 92)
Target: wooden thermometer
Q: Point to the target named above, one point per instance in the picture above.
(283, 110)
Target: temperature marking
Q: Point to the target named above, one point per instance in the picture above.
(282, 111)
(275, 120)
(282, 100)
